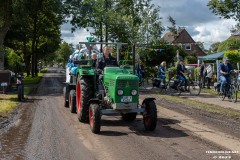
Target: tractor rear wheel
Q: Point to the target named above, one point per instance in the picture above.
(65, 94)
(84, 93)
(150, 115)
(129, 116)
(95, 118)
(72, 101)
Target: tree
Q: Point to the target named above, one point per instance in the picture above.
(234, 57)
(63, 53)
(232, 43)
(35, 31)
(214, 48)
(5, 24)
(226, 8)
(172, 28)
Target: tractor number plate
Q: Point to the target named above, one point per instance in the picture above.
(126, 99)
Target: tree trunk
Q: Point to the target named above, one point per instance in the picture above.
(6, 16)
(33, 45)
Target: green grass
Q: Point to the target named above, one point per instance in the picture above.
(203, 106)
(32, 80)
(9, 101)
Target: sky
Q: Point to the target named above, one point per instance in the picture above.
(194, 15)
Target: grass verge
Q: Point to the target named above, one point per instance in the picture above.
(203, 106)
(9, 101)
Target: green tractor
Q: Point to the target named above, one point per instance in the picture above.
(116, 92)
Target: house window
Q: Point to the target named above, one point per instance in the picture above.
(180, 45)
(187, 46)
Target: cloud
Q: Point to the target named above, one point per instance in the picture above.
(194, 15)
(80, 35)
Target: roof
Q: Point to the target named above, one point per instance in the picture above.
(214, 56)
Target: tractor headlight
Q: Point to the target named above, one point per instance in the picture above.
(120, 92)
(134, 92)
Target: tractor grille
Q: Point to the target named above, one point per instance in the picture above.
(126, 84)
(111, 83)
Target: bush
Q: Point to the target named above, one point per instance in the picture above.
(234, 57)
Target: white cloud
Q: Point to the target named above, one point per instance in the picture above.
(194, 15)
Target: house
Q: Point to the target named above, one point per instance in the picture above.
(183, 39)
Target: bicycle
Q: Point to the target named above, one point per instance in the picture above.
(193, 87)
(158, 83)
(230, 90)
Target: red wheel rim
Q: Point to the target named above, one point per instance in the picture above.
(91, 116)
(79, 101)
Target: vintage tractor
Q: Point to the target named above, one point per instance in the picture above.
(119, 93)
(116, 91)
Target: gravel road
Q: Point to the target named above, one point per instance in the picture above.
(43, 129)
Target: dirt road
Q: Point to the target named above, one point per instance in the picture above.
(43, 129)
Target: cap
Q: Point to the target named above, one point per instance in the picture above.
(225, 59)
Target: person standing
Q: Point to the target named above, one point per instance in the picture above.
(209, 70)
(140, 71)
(202, 74)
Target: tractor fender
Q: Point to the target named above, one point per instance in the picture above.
(148, 99)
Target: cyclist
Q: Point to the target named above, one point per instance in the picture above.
(180, 75)
(162, 71)
(223, 72)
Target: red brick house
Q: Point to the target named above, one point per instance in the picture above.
(185, 41)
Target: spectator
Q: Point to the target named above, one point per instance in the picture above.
(202, 72)
(140, 70)
(162, 71)
(209, 75)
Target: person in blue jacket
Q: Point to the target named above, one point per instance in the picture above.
(224, 73)
(162, 71)
(180, 74)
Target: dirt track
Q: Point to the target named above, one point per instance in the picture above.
(44, 129)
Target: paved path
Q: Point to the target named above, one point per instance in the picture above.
(213, 99)
(208, 98)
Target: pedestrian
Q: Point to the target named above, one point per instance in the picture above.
(140, 70)
(209, 75)
(202, 72)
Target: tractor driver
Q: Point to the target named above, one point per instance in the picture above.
(105, 60)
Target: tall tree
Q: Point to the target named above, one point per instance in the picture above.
(5, 24)
(173, 27)
(226, 8)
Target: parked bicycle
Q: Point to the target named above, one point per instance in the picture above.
(193, 87)
(230, 90)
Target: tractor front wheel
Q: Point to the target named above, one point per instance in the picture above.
(95, 118)
(72, 101)
(150, 115)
